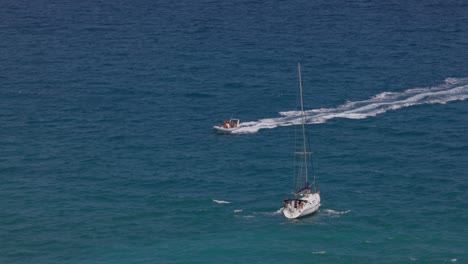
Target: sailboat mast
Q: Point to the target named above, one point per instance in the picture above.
(303, 122)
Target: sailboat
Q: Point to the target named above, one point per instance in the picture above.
(306, 196)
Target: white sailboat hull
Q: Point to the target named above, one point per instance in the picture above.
(302, 206)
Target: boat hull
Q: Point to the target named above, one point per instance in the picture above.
(221, 129)
(302, 206)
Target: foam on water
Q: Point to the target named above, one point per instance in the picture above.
(333, 213)
(319, 252)
(221, 201)
(277, 212)
(453, 89)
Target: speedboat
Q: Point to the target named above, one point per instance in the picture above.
(228, 126)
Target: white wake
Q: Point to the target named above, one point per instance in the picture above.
(220, 201)
(333, 213)
(453, 89)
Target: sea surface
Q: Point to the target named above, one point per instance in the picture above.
(107, 152)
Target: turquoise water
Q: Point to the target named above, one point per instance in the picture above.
(108, 153)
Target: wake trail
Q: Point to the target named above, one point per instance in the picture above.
(453, 89)
(220, 201)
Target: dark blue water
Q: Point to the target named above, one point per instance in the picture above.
(108, 153)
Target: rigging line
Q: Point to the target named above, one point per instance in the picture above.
(312, 164)
(303, 119)
(294, 178)
(297, 171)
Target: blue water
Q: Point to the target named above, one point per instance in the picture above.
(108, 153)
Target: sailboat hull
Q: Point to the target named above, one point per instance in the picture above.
(301, 207)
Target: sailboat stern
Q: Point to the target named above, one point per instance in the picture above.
(306, 205)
